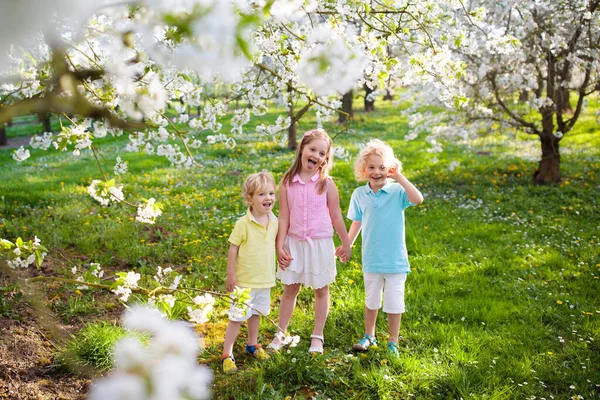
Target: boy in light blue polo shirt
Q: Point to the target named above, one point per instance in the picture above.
(378, 208)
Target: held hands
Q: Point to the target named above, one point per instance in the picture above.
(395, 170)
(344, 253)
(285, 258)
(230, 283)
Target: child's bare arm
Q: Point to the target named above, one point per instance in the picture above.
(354, 230)
(335, 213)
(414, 195)
(283, 253)
(231, 281)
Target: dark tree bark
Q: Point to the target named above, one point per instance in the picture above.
(44, 118)
(346, 108)
(369, 104)
(3, 139)
(388, 95)
(523, 96)
(292, 141)
(549, 166)
(564, 101)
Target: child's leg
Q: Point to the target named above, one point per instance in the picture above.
(370, 321)
(321, 313)
(253, 324)
(373, 294)
(286, 307)
(233, 328)
(393, 303)
(394, 327)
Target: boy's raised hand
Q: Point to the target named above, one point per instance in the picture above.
(395, 170)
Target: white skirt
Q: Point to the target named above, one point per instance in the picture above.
(313, 264)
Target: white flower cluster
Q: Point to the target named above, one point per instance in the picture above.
(125, 282)
(120, 167)
(281, 125)
(21, 154)
(340, 152)
(21, 254)
(147, 213)
(77, 135)
(291, 341)
(221, 138)
(93, 274)
(239, 305)
(41, 142)
(330, 65)
(202, 309)
(164, 369)
(105, 192)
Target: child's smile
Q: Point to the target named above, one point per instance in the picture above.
(376, 171)
(263, 201)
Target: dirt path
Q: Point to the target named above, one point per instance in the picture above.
(13, 143)
(26, 370)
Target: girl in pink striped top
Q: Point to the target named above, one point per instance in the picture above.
(309, 211)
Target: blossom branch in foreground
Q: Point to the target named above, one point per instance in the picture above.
(166, 368)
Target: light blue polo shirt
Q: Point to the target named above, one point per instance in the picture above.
(382, 218)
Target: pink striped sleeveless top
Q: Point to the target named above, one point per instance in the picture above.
(309, 214)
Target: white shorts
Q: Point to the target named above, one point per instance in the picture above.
(313, 263)
(392, 287)
(260, 300)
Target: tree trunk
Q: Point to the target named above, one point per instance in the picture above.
(563, 100)
(369, 103)
(388, 95)
(346, 108)
(3, 139)
(549, 166)
(45, 120)
(292, 143)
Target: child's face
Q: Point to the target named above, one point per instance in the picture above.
(263, 200)
(314, 155)
(376, 171)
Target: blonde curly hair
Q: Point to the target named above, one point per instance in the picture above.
(378, 148)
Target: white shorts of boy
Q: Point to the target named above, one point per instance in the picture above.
(260, 299)
(392, 288)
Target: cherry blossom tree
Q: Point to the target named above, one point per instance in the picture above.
(524, 63)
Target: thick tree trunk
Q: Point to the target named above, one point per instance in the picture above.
(3, 139)
(369, 103)
(549, 166)
(346, 108)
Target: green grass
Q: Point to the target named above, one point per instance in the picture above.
(91, 347)
(502, 301)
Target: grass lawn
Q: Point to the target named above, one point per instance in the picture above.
(502, 301)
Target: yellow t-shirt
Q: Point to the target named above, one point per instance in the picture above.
(255, 263)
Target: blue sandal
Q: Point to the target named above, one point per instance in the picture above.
(364, 343)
